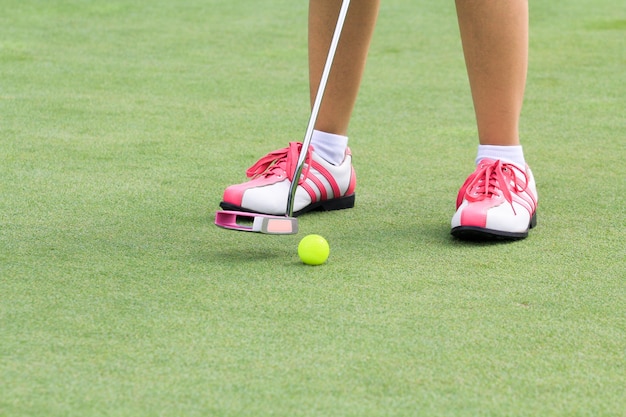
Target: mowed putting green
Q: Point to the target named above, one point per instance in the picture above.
(121, 122)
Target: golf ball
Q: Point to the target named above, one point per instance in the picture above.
(313, 250)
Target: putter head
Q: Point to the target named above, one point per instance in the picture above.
(255, 222)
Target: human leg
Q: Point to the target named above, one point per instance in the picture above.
(494, 34)
(500, 198)
(349, 64)
(329, 178)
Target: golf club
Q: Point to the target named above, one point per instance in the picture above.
(269, 224)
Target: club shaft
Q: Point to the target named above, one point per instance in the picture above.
(306, 142)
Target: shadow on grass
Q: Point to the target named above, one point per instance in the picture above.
(478, 241)
(439, 234)
(243, 256)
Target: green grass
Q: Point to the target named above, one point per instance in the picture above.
(121, 123)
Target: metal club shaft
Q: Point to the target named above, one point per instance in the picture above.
(316, 107)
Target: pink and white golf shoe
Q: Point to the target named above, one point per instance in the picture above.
(499, 200)
(322, 186)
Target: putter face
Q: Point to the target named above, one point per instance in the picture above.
(254, 222)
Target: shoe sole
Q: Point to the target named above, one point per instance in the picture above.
(345, 202)
(475, 233)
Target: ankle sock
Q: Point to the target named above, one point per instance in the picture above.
(331, 147)
(510, 154)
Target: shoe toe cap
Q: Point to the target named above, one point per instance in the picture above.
(502, 217)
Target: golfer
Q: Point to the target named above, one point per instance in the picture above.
(499, 199)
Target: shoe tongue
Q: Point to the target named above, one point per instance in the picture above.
(485, 180)
(485, 162)
(268, 164)
(281, 161)
(293, 154)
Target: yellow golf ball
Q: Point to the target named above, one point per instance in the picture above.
(313, 250)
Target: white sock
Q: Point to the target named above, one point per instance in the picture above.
(510, 154)
(329, 146)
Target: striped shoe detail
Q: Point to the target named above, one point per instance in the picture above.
(322, 189)
(322, 186)
(498, 200)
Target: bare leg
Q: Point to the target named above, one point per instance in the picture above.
(349, 63)
(333, 187)
(495, 43)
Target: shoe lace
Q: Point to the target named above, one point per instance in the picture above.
(494, 180)
(281, 162)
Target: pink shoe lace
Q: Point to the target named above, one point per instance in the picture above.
(281, 162)
(493, 180)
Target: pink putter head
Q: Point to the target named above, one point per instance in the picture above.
(255, 222)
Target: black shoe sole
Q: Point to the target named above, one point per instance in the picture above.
(341, 203)
(474, 233)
